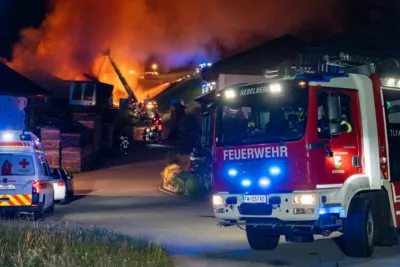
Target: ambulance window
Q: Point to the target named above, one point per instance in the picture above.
(46, 169)
(45, 166)
(18, 165)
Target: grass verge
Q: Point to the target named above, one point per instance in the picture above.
(33, 245)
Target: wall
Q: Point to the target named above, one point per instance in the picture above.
(12, 112)
(225, 80)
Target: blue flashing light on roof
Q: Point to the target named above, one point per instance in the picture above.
(25, 136)
(320, 77)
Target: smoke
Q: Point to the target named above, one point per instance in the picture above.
(75, 33)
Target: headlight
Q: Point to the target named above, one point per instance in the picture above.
(275, 88)
(230, 93)
(304, 199)
(217, 200)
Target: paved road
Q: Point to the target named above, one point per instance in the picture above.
(124, 196)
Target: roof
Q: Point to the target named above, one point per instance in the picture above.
(13, 83)
(59, 88)
(374, 40)
(255, 60)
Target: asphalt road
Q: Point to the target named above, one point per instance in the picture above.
(124, 196)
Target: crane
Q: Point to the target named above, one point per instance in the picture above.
(132, 97)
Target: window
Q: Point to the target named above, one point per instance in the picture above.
(207, 129)
(268, 120)
(323, 120)
(45, 166)
(77, 92)
(392, 103)
(16, 164)
(89, 91)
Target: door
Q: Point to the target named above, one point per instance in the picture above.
(343, 150)
(46, 185)
(391, 99)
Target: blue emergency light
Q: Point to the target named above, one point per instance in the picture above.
(246, 182)
(25, 136)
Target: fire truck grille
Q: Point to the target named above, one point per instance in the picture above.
(255, 209)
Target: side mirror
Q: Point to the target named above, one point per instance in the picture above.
(334, 114)
(334, 109)
(335, 128)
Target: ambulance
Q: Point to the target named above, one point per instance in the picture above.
(25, 182)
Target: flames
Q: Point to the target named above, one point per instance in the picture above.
(72, 38)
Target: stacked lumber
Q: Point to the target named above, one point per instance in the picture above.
(76, 151)
(50, 139)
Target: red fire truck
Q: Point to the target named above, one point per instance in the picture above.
(309, 155)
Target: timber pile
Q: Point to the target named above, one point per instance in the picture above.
(92, 122)
(50, 139)
(76, 151)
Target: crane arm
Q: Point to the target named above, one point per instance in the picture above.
(121, 77)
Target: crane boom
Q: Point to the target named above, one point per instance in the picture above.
(121, 77)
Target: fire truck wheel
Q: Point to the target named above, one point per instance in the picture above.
(359, 229)
(260, 241)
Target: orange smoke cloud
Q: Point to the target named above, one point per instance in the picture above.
(75, 33)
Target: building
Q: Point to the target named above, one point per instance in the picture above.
(18, 98)
(251, 66)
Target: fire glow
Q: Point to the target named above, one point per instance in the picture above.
(75, 34)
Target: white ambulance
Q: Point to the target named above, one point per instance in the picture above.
(25, 182)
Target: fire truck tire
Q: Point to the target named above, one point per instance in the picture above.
(359, 229)
(260, 241)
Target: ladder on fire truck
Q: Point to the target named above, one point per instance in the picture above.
(128, 89)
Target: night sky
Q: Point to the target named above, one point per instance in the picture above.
(17, 14)
(185, 30)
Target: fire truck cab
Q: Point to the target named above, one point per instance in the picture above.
(309, 155)
(25, 182)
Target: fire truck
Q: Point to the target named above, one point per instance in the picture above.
(312, 153)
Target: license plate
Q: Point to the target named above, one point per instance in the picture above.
(254, 199)
(7, 187)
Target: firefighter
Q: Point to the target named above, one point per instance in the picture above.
(124, 145)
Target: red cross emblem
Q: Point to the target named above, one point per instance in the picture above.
(24, 163)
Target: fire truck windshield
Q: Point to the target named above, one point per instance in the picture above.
(255, 120)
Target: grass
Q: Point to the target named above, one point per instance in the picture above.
(33, 245)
